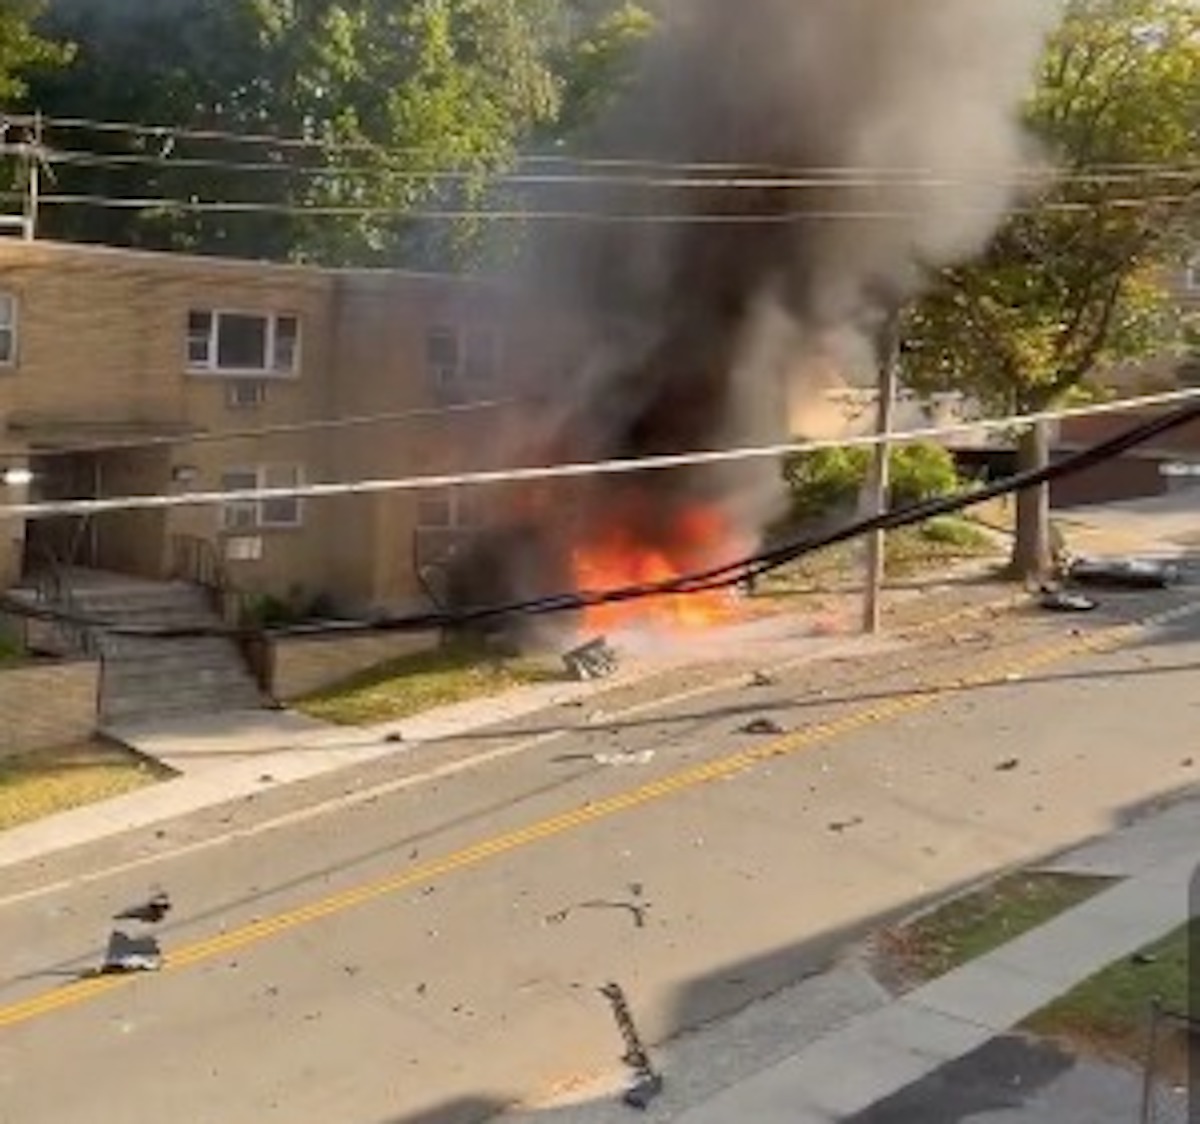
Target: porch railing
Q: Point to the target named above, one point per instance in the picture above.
(197, 560)
(53, 583)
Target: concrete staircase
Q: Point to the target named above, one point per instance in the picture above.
(154, 680)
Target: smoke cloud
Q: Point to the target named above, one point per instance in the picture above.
(900, 121)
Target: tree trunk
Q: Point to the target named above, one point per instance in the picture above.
(1032, 559)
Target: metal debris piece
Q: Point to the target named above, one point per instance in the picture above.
(1059, 601)
(126, 954)
(841, 826)
(763, 726)
(593, 660)
(394, 738)
(648, 1082)
(636, 910)
(1123, 573)
(1009, 766)
(149, 912)
(623, 760)
(644, 1092)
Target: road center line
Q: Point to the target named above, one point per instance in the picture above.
(188, 956)
(463, 765)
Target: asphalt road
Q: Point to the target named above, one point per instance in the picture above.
(429, 947)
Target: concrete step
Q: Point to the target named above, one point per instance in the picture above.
(134, 650)
(147, 678)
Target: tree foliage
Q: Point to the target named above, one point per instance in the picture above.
(388, 92)
(831, 481)
(23, 52)
(1075, 281)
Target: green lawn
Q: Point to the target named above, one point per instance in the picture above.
(910, 551)
(978, 923)
(416, 683)
(39, 784)
(1108, 1014)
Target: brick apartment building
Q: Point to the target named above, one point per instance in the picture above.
(108, 357)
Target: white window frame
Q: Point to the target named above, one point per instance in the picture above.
(242, 517)
(9, 318)
(462, 514)
(210, 365)
(462, 375)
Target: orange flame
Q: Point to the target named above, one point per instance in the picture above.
(616, 557)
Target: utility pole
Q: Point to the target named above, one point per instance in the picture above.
(33, 186)
(879, 481)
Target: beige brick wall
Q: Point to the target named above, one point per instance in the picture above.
(101, 355)
(302, 665)
(45, 706)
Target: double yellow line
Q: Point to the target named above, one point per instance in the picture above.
(222, 944)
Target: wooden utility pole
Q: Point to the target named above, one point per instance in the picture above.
(33, 185)
(879, 481)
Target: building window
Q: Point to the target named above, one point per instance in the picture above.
(8, 329)
(448, 509)
(462, 364)
(250, 514)
(241, 343)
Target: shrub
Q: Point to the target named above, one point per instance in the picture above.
(826, 481)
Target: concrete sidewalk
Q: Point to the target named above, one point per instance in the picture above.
(876, 1049)
(228, 757)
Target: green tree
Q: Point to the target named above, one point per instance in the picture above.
(597, 56)
(391, 94)
(1075, 280)
(23, 51)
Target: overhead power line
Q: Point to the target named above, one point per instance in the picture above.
(717, 577)
(712, 179)
(164, 133)
(616, 467)
(520, 214)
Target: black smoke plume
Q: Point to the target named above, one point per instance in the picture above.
(880, 139)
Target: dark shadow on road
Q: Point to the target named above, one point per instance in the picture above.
(1004, 1075)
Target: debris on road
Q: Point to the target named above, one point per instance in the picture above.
(762, 679)
(1123, 573)
(1060, 601)
(839, 827)
(637, 910)
(1009, 766)
(648, 1082)
(623, 760)
(593, 660)
(126, 954)
(394, 738)
(149, 912)
(766, 727)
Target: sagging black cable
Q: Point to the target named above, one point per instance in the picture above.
(718, 577)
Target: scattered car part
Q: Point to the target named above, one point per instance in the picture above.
(149, 912)
(1060, 601)
(126, 954)
(593, 660)
(648, 1082)
(763, 727)
(1123, 573)
(637, 910)
(622, 760)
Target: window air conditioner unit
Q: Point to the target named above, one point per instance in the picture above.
(243, 394)
(244, 548)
